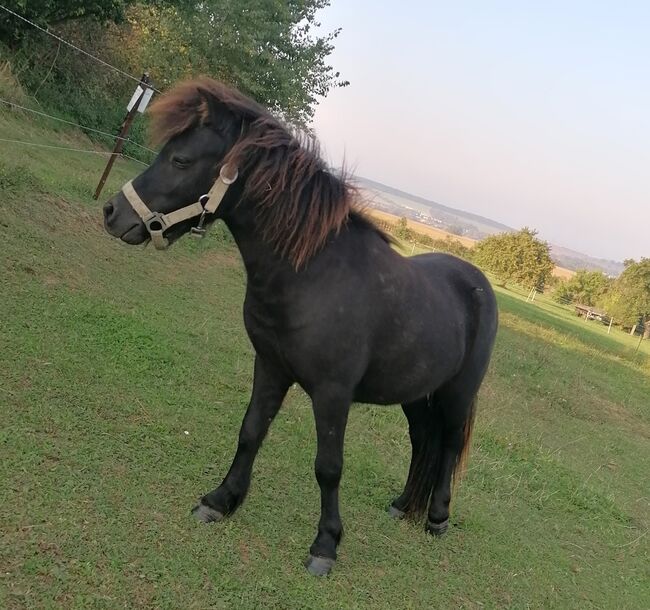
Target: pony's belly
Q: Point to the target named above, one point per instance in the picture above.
(392, 384)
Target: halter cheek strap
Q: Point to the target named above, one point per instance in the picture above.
(157, 223)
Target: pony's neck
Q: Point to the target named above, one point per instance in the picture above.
(260, 259)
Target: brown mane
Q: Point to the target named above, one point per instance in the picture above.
(300, 201)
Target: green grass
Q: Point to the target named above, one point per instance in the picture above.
(613, 340)
(124, 375)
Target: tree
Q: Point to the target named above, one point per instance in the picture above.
(629, 298)
(452, 246)
(53, 12)
(402, 229)
(268, 49)
(585, 287)
(516, 257)
(272, 50)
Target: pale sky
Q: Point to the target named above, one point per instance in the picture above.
(528, 112)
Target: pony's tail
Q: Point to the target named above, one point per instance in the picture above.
(463, 456)
(425, 469)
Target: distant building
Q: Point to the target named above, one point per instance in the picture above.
(591, 313)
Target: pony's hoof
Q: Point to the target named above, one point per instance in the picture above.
(319, 566)
(206, 514)
(395, 512)
(437, 529)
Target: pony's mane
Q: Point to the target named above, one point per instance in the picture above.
(300, 201)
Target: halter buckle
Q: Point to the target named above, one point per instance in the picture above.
(155, 222)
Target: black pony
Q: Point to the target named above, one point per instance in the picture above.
(329, 303)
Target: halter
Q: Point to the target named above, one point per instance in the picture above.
(158, 223)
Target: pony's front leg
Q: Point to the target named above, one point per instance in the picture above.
(331, 405)
(270, 385)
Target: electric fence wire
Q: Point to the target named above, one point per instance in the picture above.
(83, 127)
(71, 149)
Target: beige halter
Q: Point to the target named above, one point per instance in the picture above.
(158, 223)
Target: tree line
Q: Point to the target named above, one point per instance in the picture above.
(270, 50)
(626, 298)
(523, 259)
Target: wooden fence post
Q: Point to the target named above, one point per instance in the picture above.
(638, 345)
(124, 130)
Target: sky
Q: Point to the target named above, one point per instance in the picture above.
(531, 113)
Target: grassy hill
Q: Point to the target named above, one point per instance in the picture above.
(124, 374)
(483, 226)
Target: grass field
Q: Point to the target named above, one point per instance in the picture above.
(124, 375)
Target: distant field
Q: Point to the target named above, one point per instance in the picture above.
(422, 228)
(395, 198)
(124, 374)
(560, 272)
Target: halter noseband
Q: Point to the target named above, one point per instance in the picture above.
(158, 223)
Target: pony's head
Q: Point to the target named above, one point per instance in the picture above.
(198, 123)
(221, 148)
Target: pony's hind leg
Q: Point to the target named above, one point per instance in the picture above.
(439, 428)
(455, 405)
(417, 416)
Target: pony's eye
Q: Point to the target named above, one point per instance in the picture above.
(181, 162)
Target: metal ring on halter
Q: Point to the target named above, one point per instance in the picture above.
(227, 179)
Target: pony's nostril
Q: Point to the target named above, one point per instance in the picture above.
(108, 210)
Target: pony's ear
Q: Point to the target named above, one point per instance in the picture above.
(215, 113)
